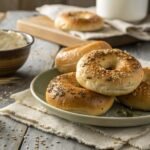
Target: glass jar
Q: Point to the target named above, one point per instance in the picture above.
(127, 10)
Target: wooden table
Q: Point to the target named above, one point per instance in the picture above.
(14, 135)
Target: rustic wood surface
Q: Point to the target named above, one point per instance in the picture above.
(11, 134)
(14, 135)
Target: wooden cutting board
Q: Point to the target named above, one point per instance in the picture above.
(42, 27)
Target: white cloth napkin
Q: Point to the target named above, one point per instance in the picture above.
(27, 110)
(112, 27)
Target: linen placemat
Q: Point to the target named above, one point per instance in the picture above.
(111, 28)
(27, 110)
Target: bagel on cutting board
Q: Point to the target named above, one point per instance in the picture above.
(79, 21)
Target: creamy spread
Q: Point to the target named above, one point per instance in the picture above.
(11, 39)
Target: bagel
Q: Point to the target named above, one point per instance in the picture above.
(78, 21)
(140, 97)
(65, 93)
(109, 71)
(67, 58)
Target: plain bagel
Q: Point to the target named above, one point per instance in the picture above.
(109, 72)
(65, 93)
(140, 97)
(79, 21)
(67, 58)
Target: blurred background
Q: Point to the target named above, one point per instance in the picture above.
(32, 4)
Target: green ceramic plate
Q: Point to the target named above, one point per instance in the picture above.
(118, 116)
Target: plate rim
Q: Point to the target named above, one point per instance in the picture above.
(77, 114)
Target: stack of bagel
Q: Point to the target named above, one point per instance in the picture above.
(93, 75)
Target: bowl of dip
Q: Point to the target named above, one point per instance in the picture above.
(14, 50)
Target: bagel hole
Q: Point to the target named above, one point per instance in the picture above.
(109, 63)
(110, 67)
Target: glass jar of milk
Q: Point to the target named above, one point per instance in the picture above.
(127, 10)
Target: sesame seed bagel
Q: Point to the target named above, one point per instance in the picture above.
(65, 93)
(67, 58)
(109, 72)
(140, 97)
(79, 21)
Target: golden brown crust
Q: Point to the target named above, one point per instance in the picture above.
(67, 58)
(109, 72)
(79, 21)
(140, 97)
(65, 93)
